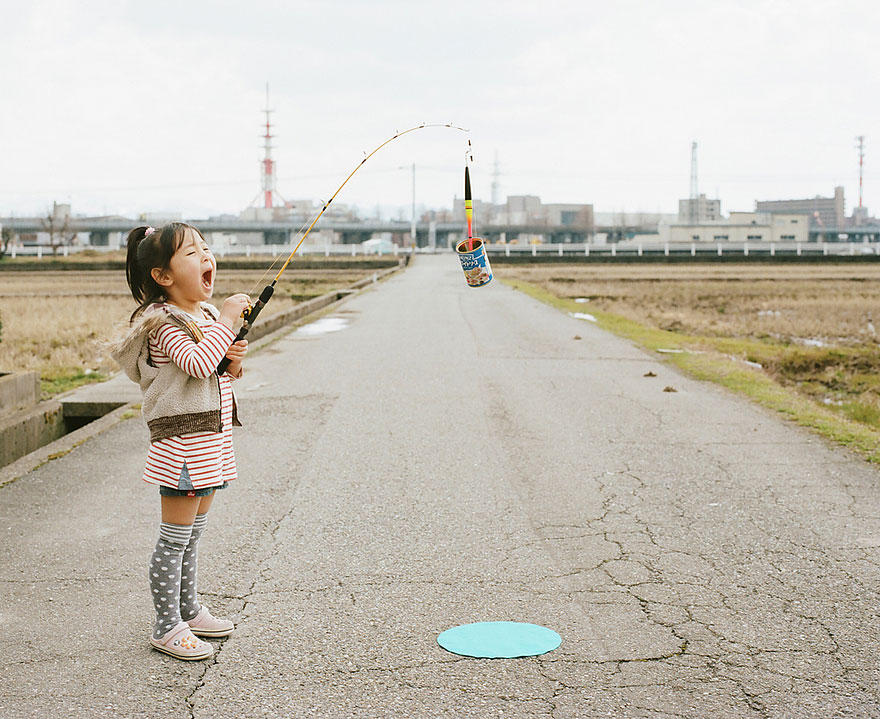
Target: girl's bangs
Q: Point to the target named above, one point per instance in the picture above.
(178, 235)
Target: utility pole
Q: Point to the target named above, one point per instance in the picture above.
(412, 228)
(861, 148)
(695, 212)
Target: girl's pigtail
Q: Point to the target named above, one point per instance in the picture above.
(134, 273)
(137, 269)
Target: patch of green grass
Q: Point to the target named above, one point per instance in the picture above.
(63, 379)
(719, 359)
(862, 412)
(60, 454)
(865, 381)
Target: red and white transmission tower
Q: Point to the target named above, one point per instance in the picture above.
(267, 164)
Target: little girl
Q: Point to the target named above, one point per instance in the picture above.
(172, 352)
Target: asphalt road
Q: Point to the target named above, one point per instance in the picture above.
(453, 455)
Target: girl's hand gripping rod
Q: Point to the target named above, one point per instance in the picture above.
(251, 314)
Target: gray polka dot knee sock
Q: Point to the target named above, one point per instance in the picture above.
(165, 575)
(189, 599)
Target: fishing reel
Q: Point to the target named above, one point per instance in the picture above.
(253, 309)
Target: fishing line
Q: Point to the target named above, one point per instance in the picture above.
(275, 261)
(250, 315)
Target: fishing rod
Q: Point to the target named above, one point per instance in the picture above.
(250, 314)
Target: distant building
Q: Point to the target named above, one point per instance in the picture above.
(699, 209)
(528, 210)
(522, 210)
(55, 230)
(569, 215)
(444, 215)
(823, 211)
(861, 216)
(744, 227)
(295, 211)
(484, 212)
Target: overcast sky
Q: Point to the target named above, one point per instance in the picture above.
(124, 107)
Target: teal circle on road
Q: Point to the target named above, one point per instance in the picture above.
(499, 640)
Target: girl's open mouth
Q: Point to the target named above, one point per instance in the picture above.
(208, 279)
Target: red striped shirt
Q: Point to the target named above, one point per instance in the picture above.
(208, 456)
(200, 359)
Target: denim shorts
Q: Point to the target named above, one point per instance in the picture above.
(171, 492)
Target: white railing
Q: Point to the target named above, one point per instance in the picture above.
(621, 249)
(692, 249)
(43, 251)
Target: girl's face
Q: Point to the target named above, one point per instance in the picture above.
(191, 272)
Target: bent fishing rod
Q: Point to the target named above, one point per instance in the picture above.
(250, 314)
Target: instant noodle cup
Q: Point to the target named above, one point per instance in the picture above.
(474, 262)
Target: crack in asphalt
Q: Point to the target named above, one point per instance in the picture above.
(712, 601)
(717, 598)
(274, 525)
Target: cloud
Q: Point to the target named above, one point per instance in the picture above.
(131, 106)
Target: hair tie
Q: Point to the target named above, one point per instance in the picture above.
(149, 231)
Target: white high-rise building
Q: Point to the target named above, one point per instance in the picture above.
(699, 209)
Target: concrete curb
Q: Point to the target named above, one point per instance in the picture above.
(271, 330)
(63, 445)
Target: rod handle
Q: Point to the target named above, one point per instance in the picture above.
(225, 362)
(249, 317)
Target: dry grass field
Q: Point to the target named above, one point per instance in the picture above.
(811, 326)
(833, 304)
(59, 323)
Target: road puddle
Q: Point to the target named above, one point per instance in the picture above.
(322, 326)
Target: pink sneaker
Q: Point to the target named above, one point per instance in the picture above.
(204, 625)
(181, 644)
